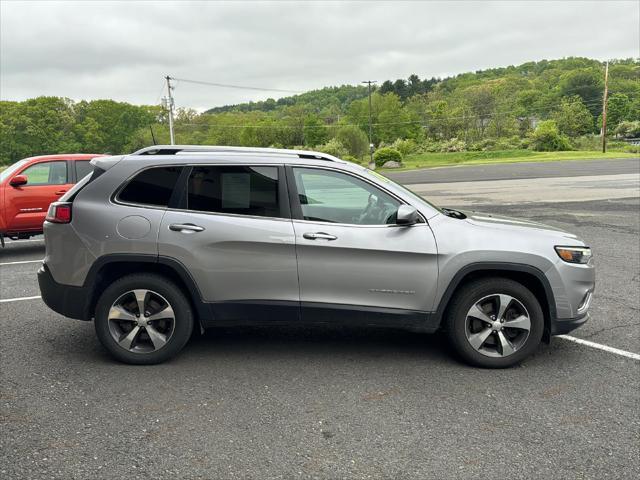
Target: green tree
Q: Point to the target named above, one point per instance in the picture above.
(547, 138)
(315, 132)
(482, 103)
(573, 118)
(588, 84)
(353, 139)
(618, 109)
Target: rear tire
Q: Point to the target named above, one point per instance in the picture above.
(494, 323)
(143, 319)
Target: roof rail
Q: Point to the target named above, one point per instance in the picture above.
(177, 149)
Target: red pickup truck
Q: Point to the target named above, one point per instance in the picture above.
(28, 187)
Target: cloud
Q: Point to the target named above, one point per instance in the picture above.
(122, 50)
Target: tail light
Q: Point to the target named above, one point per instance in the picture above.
(59, 212)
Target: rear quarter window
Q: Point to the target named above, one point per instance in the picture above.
(153, 186)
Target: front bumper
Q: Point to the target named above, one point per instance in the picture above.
(560, 326)
(67, 300)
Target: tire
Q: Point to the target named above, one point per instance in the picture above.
(470, 320)
(160, 335)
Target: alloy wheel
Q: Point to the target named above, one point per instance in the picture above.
(141, 321)
(497, 325)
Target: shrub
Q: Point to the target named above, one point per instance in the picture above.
(453, 145)
(482, 145)
(386, 154)
(428, 146)
(405, 147)
(350, 158)
(547, 138)
(333, 147)
(628, 129)
(587, 142)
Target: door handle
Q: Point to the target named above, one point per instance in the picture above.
(60, 192)
(317, 235)
(185, 227)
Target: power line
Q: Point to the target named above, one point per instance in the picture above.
(239, 87)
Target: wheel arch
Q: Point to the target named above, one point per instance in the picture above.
(109, 267)
(529, 276)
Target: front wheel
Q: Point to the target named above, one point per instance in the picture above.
(494, 322)
(143, 319)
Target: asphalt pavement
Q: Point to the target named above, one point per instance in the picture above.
(329, 402)
(510, 171)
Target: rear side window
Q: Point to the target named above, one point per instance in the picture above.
(83, 168)
(153, 186)
(234, 189)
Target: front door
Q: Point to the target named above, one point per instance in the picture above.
(234, 234)
(351, 254)
(28, 204)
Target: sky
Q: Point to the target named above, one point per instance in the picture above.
(123, 50)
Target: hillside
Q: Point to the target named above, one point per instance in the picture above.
(544, 105)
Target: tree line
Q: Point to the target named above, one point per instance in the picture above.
(550, 104)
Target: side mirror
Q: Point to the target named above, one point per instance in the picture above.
(407, 215)
(18, 181)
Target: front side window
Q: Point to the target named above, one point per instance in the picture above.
(153, 186)
(236, 189)
(46, 173)
(328, 196)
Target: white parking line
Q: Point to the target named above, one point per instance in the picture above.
(587, 343)
(21, 262)
(19, 299)
(599, 346)
(22, 241)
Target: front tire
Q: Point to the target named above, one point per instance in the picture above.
(494, 323)
(143, 319)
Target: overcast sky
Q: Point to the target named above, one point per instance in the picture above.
(122, 50)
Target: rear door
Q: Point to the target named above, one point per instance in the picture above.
(27, 204)
(352, 257)
(233, 232)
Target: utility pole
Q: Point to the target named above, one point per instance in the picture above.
(604, 108)
(372, 164)
(169, 105)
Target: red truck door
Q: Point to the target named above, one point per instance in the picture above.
(27, 205)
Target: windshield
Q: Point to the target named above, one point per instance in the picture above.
(409, 192)
(10, 170)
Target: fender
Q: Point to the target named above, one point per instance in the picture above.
(503, 266)
(192, 291)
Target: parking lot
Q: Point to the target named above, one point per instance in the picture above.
(340, 402)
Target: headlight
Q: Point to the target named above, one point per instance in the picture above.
(574, 254)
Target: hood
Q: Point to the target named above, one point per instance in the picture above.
(498, 221)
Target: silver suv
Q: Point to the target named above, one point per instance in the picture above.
(171, 238)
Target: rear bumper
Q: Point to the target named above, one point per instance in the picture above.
(70, 301)
(560, 326)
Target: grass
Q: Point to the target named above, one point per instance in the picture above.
(428, 160)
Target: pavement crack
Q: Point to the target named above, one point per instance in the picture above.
(615, 327)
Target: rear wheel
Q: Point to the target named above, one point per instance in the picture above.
(143, 319)
(494, 322)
